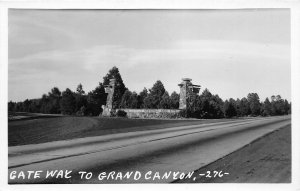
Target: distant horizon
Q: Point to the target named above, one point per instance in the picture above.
(200, 92)
(229, 52)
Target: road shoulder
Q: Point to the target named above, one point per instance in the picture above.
(265, 160)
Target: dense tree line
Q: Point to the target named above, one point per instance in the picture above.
(205, 105)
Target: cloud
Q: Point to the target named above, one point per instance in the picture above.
(210, 62)
(232, 49)
(103, 57)
(34, 24)
(212, 49)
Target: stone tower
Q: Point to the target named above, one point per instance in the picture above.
(187, 92)
(109, 89)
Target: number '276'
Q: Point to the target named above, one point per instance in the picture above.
(214, 174)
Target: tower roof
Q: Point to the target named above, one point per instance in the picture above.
(186, 79)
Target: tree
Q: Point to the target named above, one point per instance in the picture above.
(194, 107)
(277, 105)
(55, 92)
(142, 95)
(54, 98)
(287, 107)
(237, 107)
(95, 99)
(165, 101)
(68, 102)
(210, 106)
(126, 102)
(11, 106)
(217, 105)
(18, 106)
(49, 103)
(129, 100)
(134, 100)
(26, 105)
(154, 98)
(229, 108)
(174, 99)
(205, 107)
(119, 85)
(266, 110)
(148, 102)
(254, 103)
(81, 111)
(45, 104)
(34, 106)
(81, 99)
(244, 107)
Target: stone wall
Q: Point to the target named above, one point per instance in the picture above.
(151, 113)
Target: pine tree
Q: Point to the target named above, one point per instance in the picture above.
(141, 97)
(254, 103)
(81, 99)
(126, 102)
(165, 101)
(95, 99)
(134, 100)
(154, 98)
(68, 102)
(267, 108)
(54, 100)
(244, 107)
(229, 108)
(174, 98)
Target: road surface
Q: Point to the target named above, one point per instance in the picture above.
(152, 156)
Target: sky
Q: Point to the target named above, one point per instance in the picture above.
(230, 52)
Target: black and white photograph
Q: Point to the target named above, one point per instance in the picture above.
(149, 96)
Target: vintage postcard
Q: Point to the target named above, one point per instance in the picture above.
(150, 96)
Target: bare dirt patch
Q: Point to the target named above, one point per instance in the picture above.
(266, 160)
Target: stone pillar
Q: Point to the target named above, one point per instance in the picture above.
(187, 92)
(109, 89)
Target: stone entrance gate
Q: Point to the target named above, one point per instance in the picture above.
(188, 91)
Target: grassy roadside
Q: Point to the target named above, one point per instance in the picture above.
(41, 130)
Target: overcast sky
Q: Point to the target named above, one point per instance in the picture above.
(230, 52)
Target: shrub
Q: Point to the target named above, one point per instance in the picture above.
(113, 113)
(81, 112)
(121, 113)
(185, 113)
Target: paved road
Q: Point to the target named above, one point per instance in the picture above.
(146, 155)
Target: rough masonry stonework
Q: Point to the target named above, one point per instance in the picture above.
(188, 91)
(109, 89)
